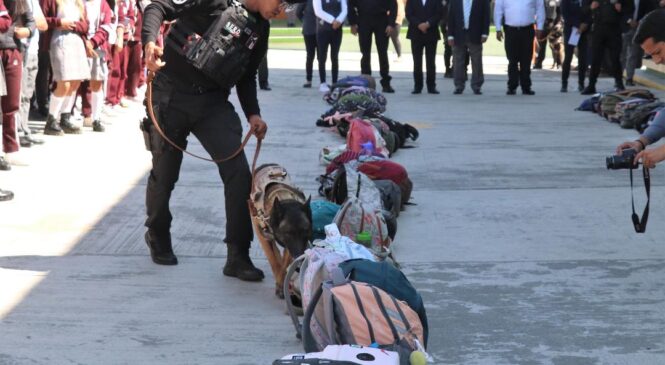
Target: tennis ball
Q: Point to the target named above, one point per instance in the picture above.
(417, 358)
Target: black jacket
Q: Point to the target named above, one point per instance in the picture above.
(606, 16)
(479, 20)
(372, 12)
(417, 13)
(197, 15)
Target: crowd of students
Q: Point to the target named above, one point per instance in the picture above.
(57, 51)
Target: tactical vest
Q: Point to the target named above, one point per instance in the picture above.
(223, 52)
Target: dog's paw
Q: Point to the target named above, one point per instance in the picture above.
(279, 292)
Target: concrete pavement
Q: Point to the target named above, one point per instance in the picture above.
(520, 242)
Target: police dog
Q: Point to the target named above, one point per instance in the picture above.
(281, 215)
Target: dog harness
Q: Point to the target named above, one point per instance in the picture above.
(271, 181)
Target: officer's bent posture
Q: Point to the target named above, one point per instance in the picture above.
(187, 99)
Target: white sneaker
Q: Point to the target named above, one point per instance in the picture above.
(16, 159)
(324, 88)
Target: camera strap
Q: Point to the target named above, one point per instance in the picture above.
(641, 224)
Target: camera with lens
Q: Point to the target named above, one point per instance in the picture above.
(622, 161)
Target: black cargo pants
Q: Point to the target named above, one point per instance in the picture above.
(212, 119)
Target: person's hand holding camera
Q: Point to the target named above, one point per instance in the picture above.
(638, 145)
(649, 158)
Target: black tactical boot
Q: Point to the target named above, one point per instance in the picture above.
(161, 250)
(52, 127)
(239, 265)
(67, 126)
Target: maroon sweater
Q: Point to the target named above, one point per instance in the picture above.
(50, 9)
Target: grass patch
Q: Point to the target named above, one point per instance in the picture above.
(291, 38)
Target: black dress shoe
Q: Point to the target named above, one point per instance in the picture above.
(458, 91)
(630, 82)
(388, 89)
(416, 91)
(307, 85)
(580, 87)
(433, 91)
(619, 86)
(477, 92)
(510, 92)
(24, 142)
(528, 92)
(589, 90)
(448, 74)
(265, 87)
(161, 252)
(6, 195)
(538, 66)
(4, 165)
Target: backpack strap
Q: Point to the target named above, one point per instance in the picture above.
(382, 307)
(308, 341)
(297, 263)
(362, 312)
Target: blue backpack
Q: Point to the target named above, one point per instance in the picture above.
(323, 213)
(589, 105)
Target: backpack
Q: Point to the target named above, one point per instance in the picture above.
(351, 312)
(391, 196)
(609, 101)
(625, 107)
(323, 213)
(650, 118)
(362, 132)
(639, 116)
(307, 272)
(355, 217)
(402, 131)
(389, 170)
(390, 279)
(391, 138)
(589, 104)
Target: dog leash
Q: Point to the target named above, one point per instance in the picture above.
(155, 123)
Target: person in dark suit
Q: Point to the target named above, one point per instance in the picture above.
(447, 49)
(468, 29)
(610, 18)
(374, 18)
(423, 17)
(574, 21)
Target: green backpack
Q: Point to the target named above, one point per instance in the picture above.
(608, 102)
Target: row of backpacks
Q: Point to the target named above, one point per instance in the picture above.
(631, 108)
(348, 286)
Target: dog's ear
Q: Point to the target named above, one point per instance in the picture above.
(307, 208)
(277, 212)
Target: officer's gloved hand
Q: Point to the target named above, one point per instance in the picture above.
(258, 126)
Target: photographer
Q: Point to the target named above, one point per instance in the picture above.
(650, 35)
(190, 97)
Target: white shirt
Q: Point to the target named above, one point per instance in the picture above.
(33, 41)
(326, 17)
(519, 13)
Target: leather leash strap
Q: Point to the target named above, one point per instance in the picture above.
(153, 118)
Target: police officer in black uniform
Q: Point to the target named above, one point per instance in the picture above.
(374, 18)
(188, 100)
(610, 18)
